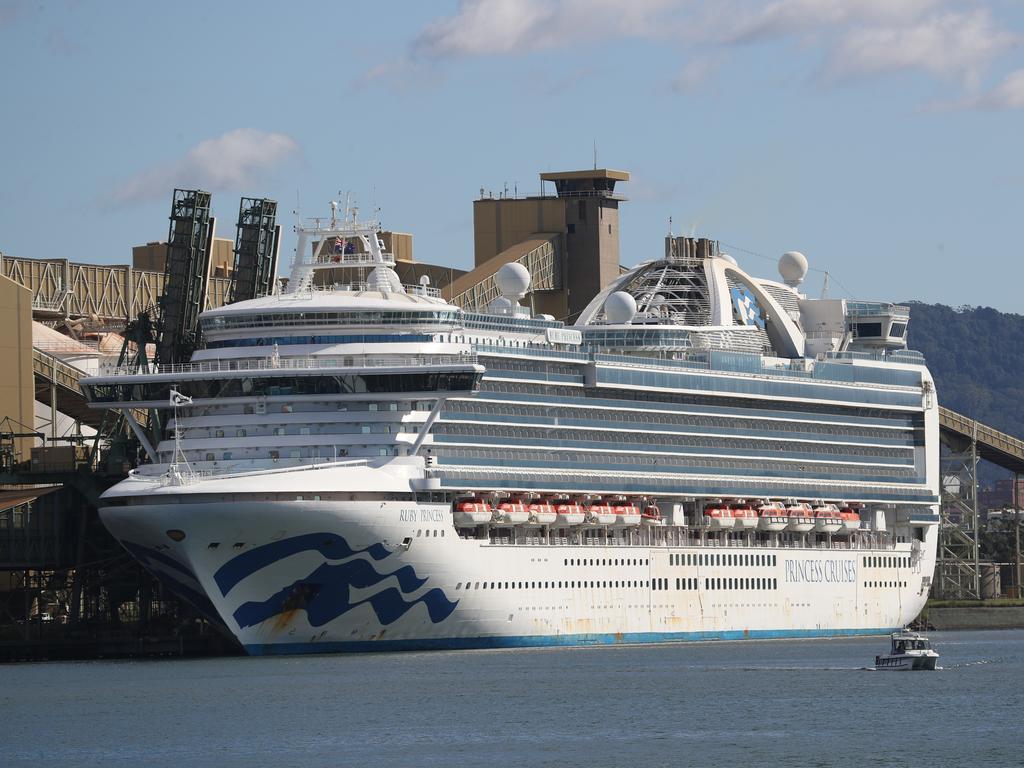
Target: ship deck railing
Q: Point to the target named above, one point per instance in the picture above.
(271, 363)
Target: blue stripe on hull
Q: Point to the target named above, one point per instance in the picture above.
(539, 641)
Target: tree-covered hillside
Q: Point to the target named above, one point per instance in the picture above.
(976, 355)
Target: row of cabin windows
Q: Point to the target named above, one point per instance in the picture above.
(313, 452)
(678, 442)
(703, 558)
(886, 561)
(741, 583)
(428, 534)
(637, 584)
(365, 429)
(659, 584)
(606, 561)
(637, 416)
(884, 584)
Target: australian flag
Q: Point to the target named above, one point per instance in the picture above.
(747, 310)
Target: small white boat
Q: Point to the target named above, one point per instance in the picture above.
(772, 516)
(910, 652)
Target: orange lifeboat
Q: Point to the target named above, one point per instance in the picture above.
(801, 518)
(718, 517)
(827, 519)
(542, 513)
(601, 513)
(651, 516)
(772, 516)
(570, 513)
(627, 514)
(472, 512)
(744, 516)
(851, 521)
(513, 512)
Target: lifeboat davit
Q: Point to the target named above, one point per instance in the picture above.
(744, 516)
(851, 521)
(651, 516)
(801, 518)
(570, 513)
(472, 512)
(601, 513)
(827, 519)
(772, 516)
(513, 513)
(542, 513)
(718, 517)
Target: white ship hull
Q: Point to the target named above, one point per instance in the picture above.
(315, 576)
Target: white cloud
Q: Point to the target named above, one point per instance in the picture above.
(1009, 94)
(788, 17)
(489, 27)
(958, 45)
(695, 73)
(232, 161)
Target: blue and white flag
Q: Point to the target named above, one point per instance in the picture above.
(747, 310)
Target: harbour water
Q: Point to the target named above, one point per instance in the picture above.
(792, 703)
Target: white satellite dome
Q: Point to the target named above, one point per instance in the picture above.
(545, 316)
(513, 280)
(729, 258)
(501, 305)
(383, 278)
(793, 268)
(619, 308)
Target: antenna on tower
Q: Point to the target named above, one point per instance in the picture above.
(595, 154)
(670, 226)
(824, 286)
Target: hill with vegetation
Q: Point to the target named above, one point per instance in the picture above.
(976, 355)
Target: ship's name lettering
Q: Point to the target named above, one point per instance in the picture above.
(421, 515)
(830, 571)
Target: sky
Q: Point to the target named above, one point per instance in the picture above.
(882, 138)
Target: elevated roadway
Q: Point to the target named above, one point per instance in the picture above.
(992, 445)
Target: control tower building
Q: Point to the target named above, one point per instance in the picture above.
(570, 240)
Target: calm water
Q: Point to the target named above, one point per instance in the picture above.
(798, 703)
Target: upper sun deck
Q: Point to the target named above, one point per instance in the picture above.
(341, 305)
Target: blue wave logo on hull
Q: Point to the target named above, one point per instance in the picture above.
(325, 594)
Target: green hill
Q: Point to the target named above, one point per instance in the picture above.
(976, 355)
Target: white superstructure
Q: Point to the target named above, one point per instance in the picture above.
(703, 455)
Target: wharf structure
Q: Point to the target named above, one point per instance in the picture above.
(58, 455)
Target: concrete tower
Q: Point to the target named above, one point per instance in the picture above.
(581, 223)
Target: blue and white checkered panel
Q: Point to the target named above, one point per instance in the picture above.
(747, 310)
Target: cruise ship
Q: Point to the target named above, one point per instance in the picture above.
(703, 454)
